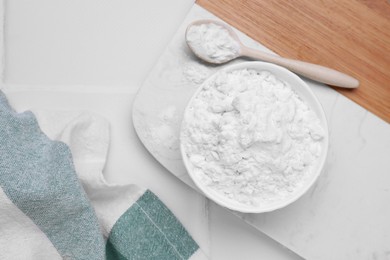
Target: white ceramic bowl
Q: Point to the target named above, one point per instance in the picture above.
(307, 95)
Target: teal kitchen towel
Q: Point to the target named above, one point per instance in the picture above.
(55, 203)
(38, 176)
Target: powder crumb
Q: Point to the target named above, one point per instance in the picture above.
(165, 133)
(251, 138)
(196, 73)
(165, 136)
(169, 115)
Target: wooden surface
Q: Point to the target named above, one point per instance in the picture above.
(352, 36)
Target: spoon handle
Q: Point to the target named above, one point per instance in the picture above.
(312, 71)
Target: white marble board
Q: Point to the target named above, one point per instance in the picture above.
(344, 216)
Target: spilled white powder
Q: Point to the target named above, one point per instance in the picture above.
(213, 42)
(169, 115)
(250, 137)
(195, 72)
(164, 133)
(165, 136)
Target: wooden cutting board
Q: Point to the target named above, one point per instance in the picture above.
(352, 36)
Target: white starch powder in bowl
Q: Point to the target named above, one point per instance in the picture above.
(254, 137)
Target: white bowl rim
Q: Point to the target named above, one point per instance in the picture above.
(225, 202)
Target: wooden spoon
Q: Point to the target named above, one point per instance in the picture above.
(312, 71)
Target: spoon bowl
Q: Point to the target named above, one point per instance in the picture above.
(201, 53)
(312, 71)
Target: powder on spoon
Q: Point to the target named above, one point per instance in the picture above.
(213, 42)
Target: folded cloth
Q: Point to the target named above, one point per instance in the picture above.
(44, 211)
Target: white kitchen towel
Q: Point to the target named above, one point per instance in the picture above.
(45, 213)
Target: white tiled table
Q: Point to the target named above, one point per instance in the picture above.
(94, 55)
